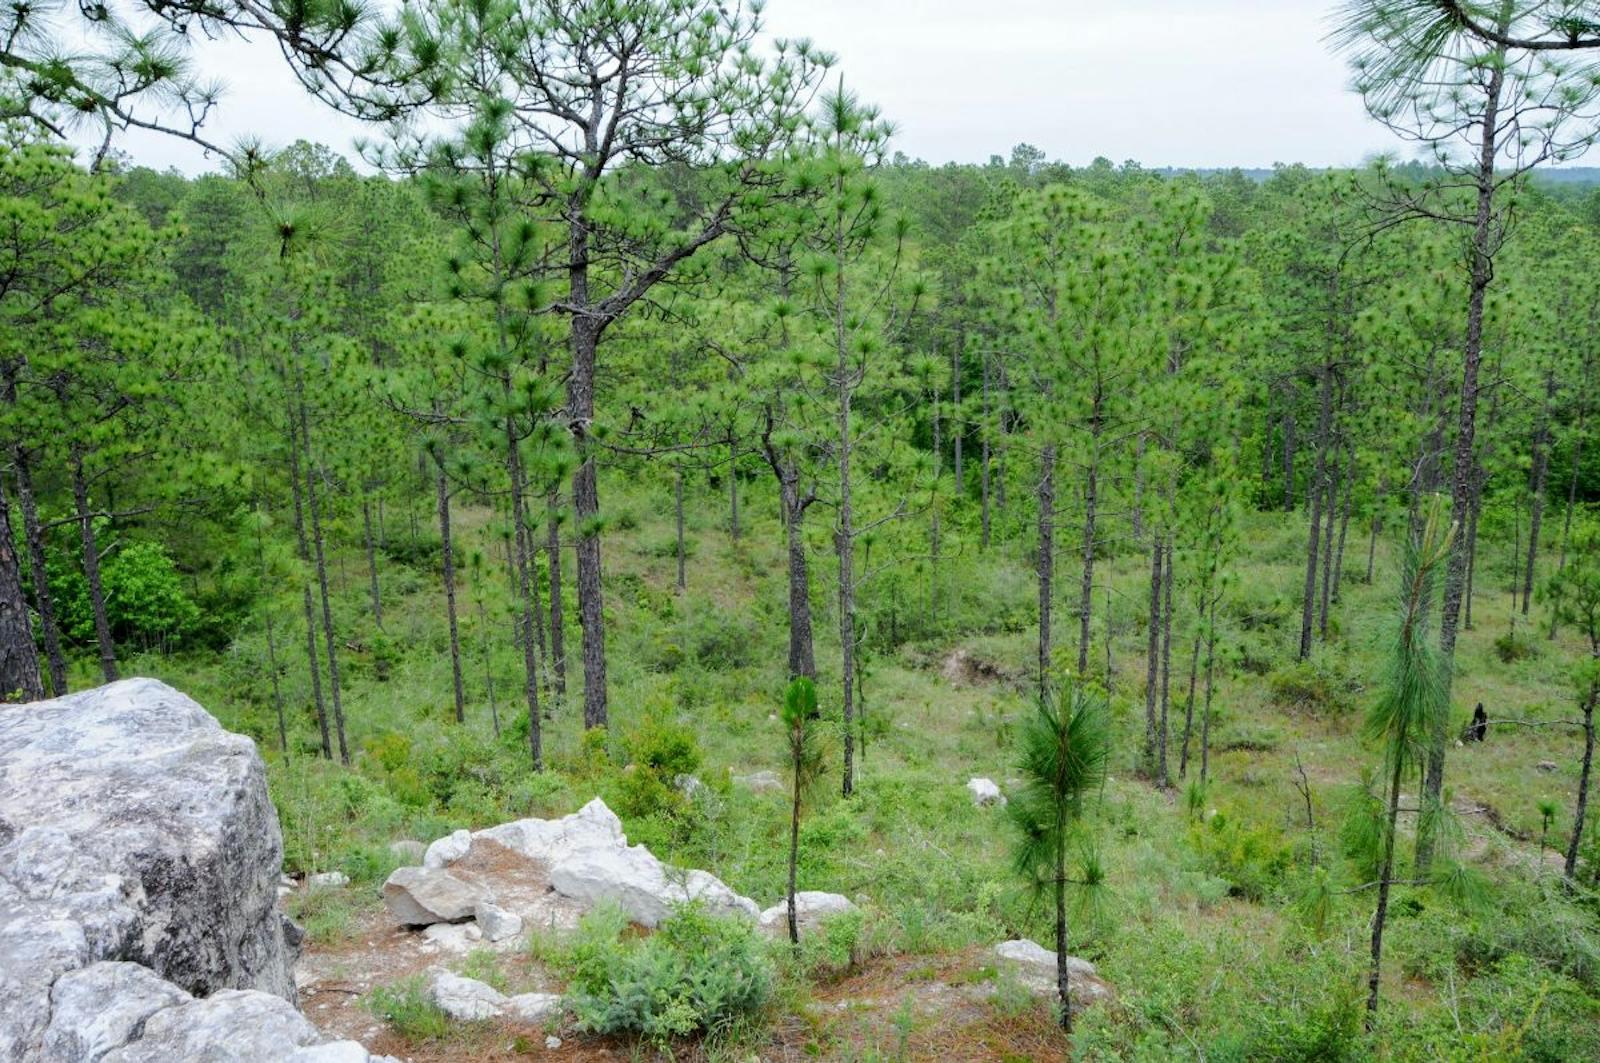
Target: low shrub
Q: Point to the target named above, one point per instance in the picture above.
(405, 1006)
(697, 973)
(1317, 685)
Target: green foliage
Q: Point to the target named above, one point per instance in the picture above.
(1319, 684)
(1254, 858)
(696, 974)
(408, 1010)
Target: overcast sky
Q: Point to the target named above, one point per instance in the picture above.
(1164, 82)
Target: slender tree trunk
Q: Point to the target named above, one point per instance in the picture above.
(733, 489)
(488, 666)
(1063, 979)
(523, 566)
(272, 648)
(1330, 510)
(585, 480)
(845, 534)
(1572, 487)
(1316, 492)
(1153, 657)
(677, 507)
(794, 856)
(372, 562)
(329, 641)
(802, 659)
(91, 570)
(303, 544)
(1465, 442)
(558, 635)
(1288, 460)
(447, 553)
(1188, 708)
(1163, 776)
(958, 427)
(1091, 490)
(34, 535)
(1205, 719)
(1344, 526)
(1381, 915)
(1570, 867)
(983, 468)
(19, 658)
(1047, 558)
(1541, 465)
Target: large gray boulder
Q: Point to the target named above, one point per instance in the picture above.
(139, 863)
(646, 889)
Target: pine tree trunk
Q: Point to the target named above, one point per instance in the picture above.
(1344, 527)
(794, 853)
(303, 546)
(1188, 708)
(34, 535)
(586, 509)
(1205, 719)
(1580, 810)
(448, 556)
(677, 508)
(957, 422)
(329, 640)
(1091, 493)
(1381, 915)
(1288, 460)
(1063, 979)
(1163, 777)
(522, 563)
(488, 667)
(91, 570)
(1153, 657)
(733, 489)
(1541, 466)
(558, 635)
(372, 562)
(845, 534)
(1046, 562)
(983, 468)
(19, 658)
(1317, 491)
(1465, 442)
(1330, 508)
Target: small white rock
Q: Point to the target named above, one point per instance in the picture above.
(552, 1043)
(447, 850)
(329, 880)
(464, 999)
(496, 923)
(985, 792)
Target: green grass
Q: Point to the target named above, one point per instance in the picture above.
(1196, 926)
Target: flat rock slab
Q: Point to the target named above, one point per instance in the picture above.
(422, 896)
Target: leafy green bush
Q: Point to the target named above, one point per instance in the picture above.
(1253, 858)
(1318, 684)
(835, 945)
(697, 973)
(144, 596)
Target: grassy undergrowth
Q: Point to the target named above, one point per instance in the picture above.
(1200, 928)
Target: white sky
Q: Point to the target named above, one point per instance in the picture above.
(1165, 82)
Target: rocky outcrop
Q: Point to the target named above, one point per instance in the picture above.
(584, 858)
(811, 908)
(1035, 967)
(139, 866)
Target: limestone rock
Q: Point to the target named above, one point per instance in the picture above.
(132, 828)
(453, 937)
(533, 1008)
(550, 841)
(811, 907)
(644, 887)
(760, 782)
(464, 999)
(103, 1006)
(985, 792)
(420, 896)
(497, 924)
(447, 850)
(1035, 967)
(329, 880)
(235, 1025)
